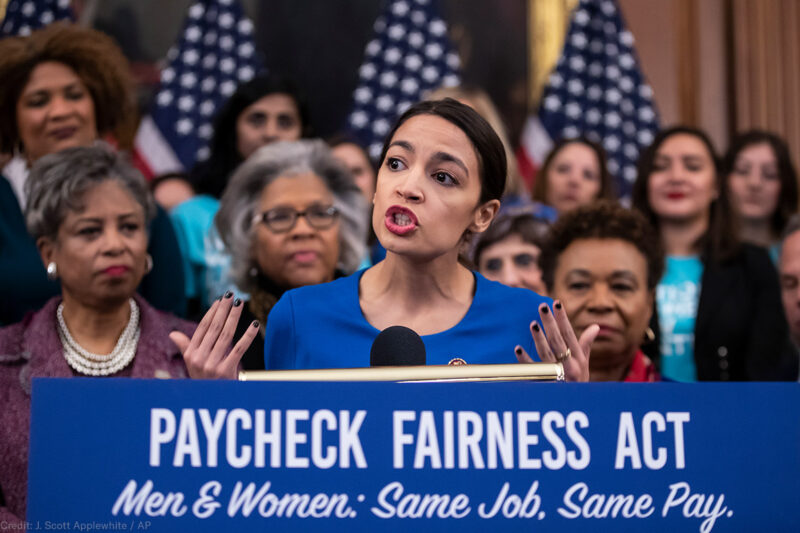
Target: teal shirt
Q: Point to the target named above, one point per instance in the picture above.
(677, 296)
(193, 220)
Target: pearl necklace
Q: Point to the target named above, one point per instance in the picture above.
(90, 364)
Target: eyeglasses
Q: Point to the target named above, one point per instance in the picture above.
(283, 219)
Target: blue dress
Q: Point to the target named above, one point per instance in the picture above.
(322, 326)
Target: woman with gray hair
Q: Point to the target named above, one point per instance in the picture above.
(290, 216)
(88, 212)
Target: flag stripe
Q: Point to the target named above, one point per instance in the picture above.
(154, 150)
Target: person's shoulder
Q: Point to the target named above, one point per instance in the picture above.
(756, 258)
(153, 319)
(14, 338)
(495, 292)
(11, 342)
(323, 292)
(199, 205)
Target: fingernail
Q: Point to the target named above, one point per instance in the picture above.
(535, 326)
(228, 294)
(557, 305)
(518, 350)
(255, 323)
(237, 302)
(545, 310)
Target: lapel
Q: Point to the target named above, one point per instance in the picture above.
(156, 355)
(43, 347)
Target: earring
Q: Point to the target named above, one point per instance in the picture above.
(148, 264)
(253, 272)
(52, 271)
(649, 334)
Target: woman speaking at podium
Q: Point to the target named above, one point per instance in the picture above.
(442, 173)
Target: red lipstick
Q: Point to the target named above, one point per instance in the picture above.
(116, 270)
(400, 220)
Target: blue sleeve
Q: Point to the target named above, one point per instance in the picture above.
(280, 342)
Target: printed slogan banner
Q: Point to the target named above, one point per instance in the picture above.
(124, 454)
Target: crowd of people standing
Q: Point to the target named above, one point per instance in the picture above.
(280, 242)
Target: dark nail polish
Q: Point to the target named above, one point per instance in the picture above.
(228, 294)
(255, 323)
(518, 351)
(237, 302)
(557, 305)
(545, 310)
(535, 326)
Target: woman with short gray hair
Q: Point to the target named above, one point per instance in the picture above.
(88, 212)
(290, 216)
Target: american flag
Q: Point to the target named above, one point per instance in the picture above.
(213, 55)
(596, 90)
(24, 16)
(409, 55)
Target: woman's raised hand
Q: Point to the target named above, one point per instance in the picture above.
(208, 354)
(560, 344)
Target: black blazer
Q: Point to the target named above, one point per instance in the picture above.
(740, 331)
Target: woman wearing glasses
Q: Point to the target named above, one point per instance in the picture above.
(291, 216)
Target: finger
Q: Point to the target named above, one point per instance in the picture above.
(180, 340)
(553, 334)
(223, 344)
(567, 332)
(587, 338)
(202, 327)
(215, 327)
(540, 341)
(232, 362)
(522, 355)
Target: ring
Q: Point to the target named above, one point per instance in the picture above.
(564, 356)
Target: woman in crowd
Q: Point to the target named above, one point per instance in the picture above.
(603, 262)
(509, 250)
(291, 216)
(479, 100)
(88, 212)
(262, 111)
(65, 86)
(762, 184)
(718, 305)
(441, 176)
(574, 173)
(355, 157)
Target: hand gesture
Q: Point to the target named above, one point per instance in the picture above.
(560, 344)
(208, 355)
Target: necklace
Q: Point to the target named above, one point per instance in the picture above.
(90, 364)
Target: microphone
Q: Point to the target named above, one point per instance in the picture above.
(397, 346)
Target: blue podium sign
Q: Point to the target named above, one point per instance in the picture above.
(136, 455)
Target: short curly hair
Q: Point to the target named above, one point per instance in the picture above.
(94, 57)
(603, 220)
